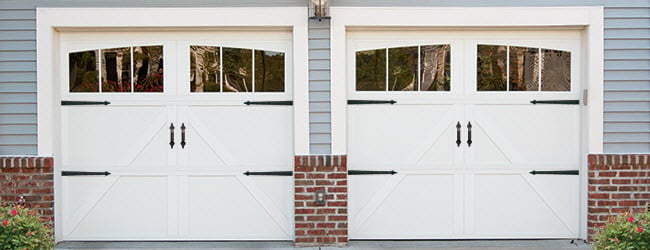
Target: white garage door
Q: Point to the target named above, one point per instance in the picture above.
(197, 136)
(443, 138)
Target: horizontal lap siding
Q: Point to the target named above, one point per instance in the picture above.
(627, 76)
(18, 77)
(320, 123)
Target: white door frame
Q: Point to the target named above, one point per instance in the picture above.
(52, 22)
(589, 19)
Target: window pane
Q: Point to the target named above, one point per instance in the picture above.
(524, 69)
(556, 70)
(237, 75)
(116, 70)
(204, 69)
(371, 70)
(435, 68)
(269, 71)
(148, 68)
(491, 68)
(403, 68)
(83, 71)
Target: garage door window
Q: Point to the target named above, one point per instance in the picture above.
(224, 69)
(413, 68)
(512, 68)
(124, 69)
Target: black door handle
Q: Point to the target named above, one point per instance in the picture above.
(183, 135)
(469, 134)
(458, 134)
(171, 135)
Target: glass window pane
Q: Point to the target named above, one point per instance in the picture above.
(205, 72)
(269, 71)
(435, 63)
(148, 68)
(491, 68)
(116, 70)
(237, 75)
(556, 70)
(83, 71)
(524, 69)
(371, 70)
(403, 68)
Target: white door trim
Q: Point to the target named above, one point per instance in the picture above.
(52, 22)
(588, 19)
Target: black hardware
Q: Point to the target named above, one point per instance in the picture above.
(183, 135)
(171, 135)
(73, 103)
(572, 102)
(458, 134)
(275, 173)
(469, 134)
(81, 173)
(289, 103)
(556, 172)
(371, 102)
(365, 172)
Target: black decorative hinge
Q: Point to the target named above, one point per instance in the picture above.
(272, 173)
(76, 103)
(288, 103)
(556, 172)
(82, 173)
(368, 172)
(371, 102)
(570, 102)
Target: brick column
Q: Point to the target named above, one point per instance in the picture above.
(30, 177)
(617, 184)
(326, 224)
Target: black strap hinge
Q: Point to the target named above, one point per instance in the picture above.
(271, 173)
(370, 172)
(569, 102)
(556, 172)
(353, 102)
(83, 173)
(287, 103)
(76, 103)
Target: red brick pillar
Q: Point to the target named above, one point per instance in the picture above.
(617, 184)
(30, 177)
(321, 224)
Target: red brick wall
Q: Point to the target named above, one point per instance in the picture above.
(321, 225)
(617, 184)
(30, 177)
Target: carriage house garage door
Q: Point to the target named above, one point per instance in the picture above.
(177, 136)
(463, 135)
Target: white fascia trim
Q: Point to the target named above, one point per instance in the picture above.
(50, 22)
(590, 18)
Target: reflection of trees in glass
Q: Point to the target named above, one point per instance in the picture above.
(269, 71)
(237, 75)
(524, 69)
(371, 70)
(402, 68)
(491, 68)
(83, 71)
(116, 70)
(435, 68)
(204, 69)
(556, 70)
(148, 68)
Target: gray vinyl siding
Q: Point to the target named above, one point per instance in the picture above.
(627, 76)
(320, 123)
(18, 77)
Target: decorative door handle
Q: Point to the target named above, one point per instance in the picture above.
(171, 135)
(469, 134)
(458, 134)
(183, 135)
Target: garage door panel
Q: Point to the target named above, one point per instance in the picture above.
(210, 214)
(131, 207)
(547, 136)
(136, 135)
(234, 133)
(394, 212)
(509, 206)
(401, 136)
